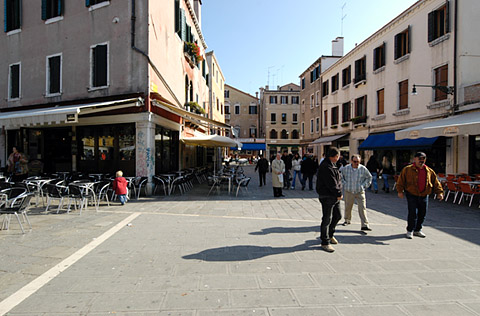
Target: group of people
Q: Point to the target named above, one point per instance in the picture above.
(337, 180)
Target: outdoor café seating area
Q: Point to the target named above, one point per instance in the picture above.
(460, 187)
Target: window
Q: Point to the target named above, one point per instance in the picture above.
(253, 132)
(237, 131)
(325, 88)
(325, 118)
(438, 22)
(360, 69)
(335, 115)
(314, 74)
(402, 43)
(379, 57)
(295, 100)
(381, 101)
(317, 99)
(237, 109)
(252, 109)
(312, 101)
(51, 9)
(346, 76)
(227, 109)
(284, 134)
(284, 99)
(273, 134)
(403, 95)
(284, 118)
(317, 124)
(346, 112)
(311, 126)
(14, 79)
(295, 134)
(273, 117)
(99, 63)
(361, 107)
(227, 94)
(335, 82)
(13, 14)
(303, 128)
(441, 79)
(294, 117)
(273, 99)
(54, 75)
(94, 2)
(303, 83)
(218, 104)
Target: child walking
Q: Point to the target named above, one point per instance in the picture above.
(120, 187)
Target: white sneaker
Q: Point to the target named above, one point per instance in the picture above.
(409, 235)
(419, 234)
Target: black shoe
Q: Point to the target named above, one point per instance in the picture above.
(366, 228)
(376, 191)
(282, 195)
(387, 190)
(260, 185)
(303, 188)
(383, 188)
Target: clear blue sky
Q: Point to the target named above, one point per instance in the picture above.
(252, 38)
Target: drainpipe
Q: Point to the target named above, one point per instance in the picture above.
(455, 95)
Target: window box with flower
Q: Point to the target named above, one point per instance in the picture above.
(192, 53)
(194, 107)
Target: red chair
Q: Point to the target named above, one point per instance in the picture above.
(451, 177)
(467, 191)
(452, 187)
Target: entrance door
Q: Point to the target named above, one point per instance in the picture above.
(57, 149)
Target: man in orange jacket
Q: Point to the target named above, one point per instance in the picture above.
(418, 181)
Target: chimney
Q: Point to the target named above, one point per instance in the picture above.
(266, 87)
(256, 94)
(337, 46)
(197, 7)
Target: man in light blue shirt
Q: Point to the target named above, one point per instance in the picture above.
(355, 179)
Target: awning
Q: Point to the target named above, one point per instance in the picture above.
(463, 124)
(192, 117)
(327, 140)
(61, 114)
(210, 141)
(387, 141)
(253, 146)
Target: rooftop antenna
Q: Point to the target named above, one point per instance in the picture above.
(268, 78)
(343, 18)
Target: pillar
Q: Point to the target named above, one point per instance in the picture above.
(145, 152)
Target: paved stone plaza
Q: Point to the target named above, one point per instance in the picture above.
(247, 255)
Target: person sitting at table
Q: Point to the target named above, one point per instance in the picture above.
(120, 187)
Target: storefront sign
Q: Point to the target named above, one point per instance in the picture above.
(414, 134)
(450, 131)
(71, 118)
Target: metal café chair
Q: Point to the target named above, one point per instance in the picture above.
(18, 206)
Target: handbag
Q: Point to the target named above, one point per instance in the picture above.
(280, 178)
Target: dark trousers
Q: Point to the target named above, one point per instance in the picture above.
(417, 209)
(286, 179)
(277, 192)
(308, 176)
(262, 176)
(331, 217)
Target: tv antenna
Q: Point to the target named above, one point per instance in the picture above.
(343, 18)
(268, 77)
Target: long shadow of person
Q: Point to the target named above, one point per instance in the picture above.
(246, 252)
(287, 230)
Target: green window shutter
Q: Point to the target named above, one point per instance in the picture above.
(5, 15)
(87, 3)
(178, 17)
(44, 10)
(184, 26)
(447, 17)
(60, 7)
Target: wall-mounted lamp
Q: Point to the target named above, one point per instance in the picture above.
(444, 89)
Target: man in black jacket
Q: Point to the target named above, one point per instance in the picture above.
(329, 189)
(308, 169)
(262, 166)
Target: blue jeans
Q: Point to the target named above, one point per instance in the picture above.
(374, 181)
(122, 198)
(385, 180)
(417, 210)
(295, 173)
(330, 218)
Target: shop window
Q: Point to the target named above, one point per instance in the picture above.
(106, 138)
(87, 141)
(126, 143)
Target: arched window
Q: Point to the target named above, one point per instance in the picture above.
(294, 134)
(273, 134)
(284, 134)
(186, 88)
(191, 91)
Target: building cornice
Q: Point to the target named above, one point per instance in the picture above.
(195, 21)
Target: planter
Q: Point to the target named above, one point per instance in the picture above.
(345, 124)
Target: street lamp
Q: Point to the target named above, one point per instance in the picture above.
(444, 89)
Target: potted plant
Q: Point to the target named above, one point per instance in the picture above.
(359, 119)
(195, 107)
(192, 49)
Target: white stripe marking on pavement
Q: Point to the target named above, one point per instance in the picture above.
(22, 294)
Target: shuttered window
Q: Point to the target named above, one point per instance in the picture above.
(346, 112)
(13, 15)
(14, 82)
(100, 66)
(335, 115)
(441, 79)
(360, 69)
(51, 9)
(403, 95)
(438, 22)
(325, 88)
(54, 68)
(381, 101)
(402, 43)
(361, 107)
(93, 2)
(346, 76)
(379, 57)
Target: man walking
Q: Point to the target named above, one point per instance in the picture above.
(278, 169)
(355, 179)
(262, 166)
(308, 169)
(418, 181)
(329, 189)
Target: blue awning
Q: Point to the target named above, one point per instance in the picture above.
(387, 141)
(252, 146)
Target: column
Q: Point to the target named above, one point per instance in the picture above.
(145, 152)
